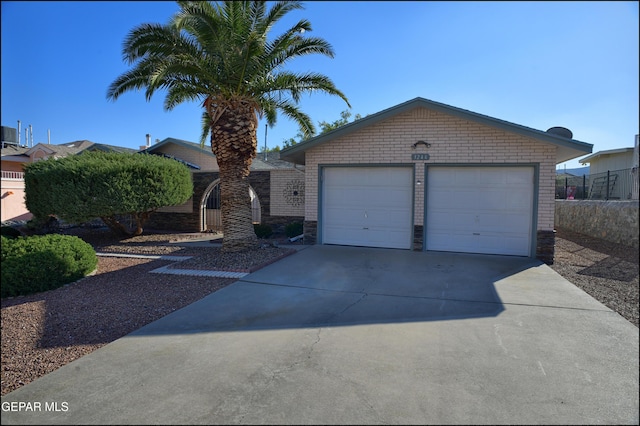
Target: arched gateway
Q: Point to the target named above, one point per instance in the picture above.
(211, 214)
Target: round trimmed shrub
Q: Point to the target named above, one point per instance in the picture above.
(262, 231)
(293, 229)
(44, 262)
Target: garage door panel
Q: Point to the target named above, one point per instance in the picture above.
(489, 178)
(463, 177)
(449, 222)
(480, 209)
(492, 200)
(442, 179)
(347, 216)
(445, 201)
(520, 177)
(368, 206)
(514, 223)
(516, 244)
(519, 202)
(385, 218)
(400, 197)
(342, 234)
(498, 244)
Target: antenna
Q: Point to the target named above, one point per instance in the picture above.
(265, 141)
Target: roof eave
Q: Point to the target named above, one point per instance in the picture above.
(603, 153)
(180, 142)
(568, 149)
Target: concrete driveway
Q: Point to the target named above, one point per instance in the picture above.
(346, 335)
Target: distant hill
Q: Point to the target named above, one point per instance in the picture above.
(580, 171)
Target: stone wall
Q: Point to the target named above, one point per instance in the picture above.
(546, 246)
(615, 221)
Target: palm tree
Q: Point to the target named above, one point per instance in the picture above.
(219, 54)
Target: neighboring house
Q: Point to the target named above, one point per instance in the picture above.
(14, 157)
(13, 207)
(427, 176)
(276, 190)
(612, 174)
(610, 160)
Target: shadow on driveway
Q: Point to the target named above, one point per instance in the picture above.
(341, 286)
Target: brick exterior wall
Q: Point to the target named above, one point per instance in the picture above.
(546, 246)
(418, 238)
(184, 220)
(453, 141)
(287, 192)
(310, 231)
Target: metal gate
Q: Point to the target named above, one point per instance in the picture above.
(211, 213)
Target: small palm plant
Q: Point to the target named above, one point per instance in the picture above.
(220, 54)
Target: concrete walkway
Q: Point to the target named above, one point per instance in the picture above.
(345, 335)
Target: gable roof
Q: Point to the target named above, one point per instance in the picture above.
(180, 142)
(14, 153)
(77, 147)
(23, 153)
(273, 160)
(567, 148)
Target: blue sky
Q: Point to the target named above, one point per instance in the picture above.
(537, 64)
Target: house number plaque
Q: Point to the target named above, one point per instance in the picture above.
(419, 156)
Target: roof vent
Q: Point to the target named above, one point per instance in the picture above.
(561, 131)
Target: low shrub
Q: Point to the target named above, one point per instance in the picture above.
(293, 229)
(262, 231)
(43, 262)
(10, 232)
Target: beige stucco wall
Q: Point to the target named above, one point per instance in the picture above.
(13, 205)
(284, 184)
(453, 141)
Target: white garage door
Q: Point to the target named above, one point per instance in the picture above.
(367, 206)
(480, 209)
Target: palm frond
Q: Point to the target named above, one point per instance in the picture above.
(217, 51)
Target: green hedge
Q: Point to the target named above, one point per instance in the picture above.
(43, 262)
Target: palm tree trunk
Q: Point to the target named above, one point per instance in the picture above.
(233, 142)
(237, 225)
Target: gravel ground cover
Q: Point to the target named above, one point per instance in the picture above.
(607, 271)
(44, 331)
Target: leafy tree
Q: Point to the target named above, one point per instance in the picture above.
(105, 185)
(221, 55)
(324, 128)
(344, 119)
